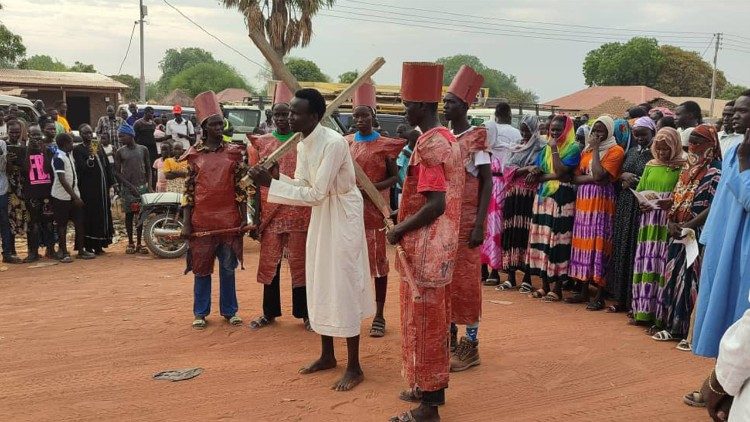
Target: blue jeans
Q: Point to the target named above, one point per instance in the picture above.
(8, 240)
(227, 292)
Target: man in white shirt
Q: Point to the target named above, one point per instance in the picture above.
(732, 135)
(66, 199)
(688, 115)
(339, 291)
(179, 129)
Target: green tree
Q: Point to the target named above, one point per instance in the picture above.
(285, 23)
(499, 83)
(11, 47)
(685, 74)
(305, 70)
(81, 67)
(636, 62)
(42, 62)
(175, 61)
(348, 77)
(732, 91)
(133, 83)
(215, 76)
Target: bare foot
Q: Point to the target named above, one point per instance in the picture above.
(319, 365)
(349, 380)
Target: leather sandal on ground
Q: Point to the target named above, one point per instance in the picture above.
(378, 327)
(526, 288)
(491, 282)
(664, 335)
(308, 326)
(538, 294)
(684, 346)
(260, 322)
(403, 417)
(596, 305)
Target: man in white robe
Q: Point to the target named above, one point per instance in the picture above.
(339, 292)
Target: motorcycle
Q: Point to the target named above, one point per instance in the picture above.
(161, 219)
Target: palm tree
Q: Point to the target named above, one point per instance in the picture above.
(285, 23)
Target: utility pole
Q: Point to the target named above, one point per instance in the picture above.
(713, 76)
(143, 13)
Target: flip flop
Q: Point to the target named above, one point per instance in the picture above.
(260, 322)
(694, 399)
(505, 286)
(664, 335)
(551, 297)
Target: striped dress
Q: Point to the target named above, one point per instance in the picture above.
(517, 212)
(653, 240)
(595, 210)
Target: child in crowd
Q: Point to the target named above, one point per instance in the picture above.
(161, 179)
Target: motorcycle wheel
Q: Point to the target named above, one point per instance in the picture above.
(163, 248)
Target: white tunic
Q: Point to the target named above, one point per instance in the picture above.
(339, 292)
(733, 367)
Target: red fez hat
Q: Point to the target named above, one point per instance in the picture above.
(365, 96)
(422, 82)
(206, 105)
(466, 84)
(282, 94)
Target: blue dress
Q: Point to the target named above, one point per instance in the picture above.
(725, 275)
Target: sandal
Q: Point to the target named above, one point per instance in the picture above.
(130, 250)
(260, 322)
(378, 327)
(199, 323)
(491, 282)
(538, 294)
(664, 335)
(412, 395)
(613, 309)
(308, 326)
(526, 288)
(142, 250)
(684, 346)
(596, 305)
(505, 286)
(234, 320)
(694, 399)
(403, 417)
(576, 298)
(66, 259)
(551, 297)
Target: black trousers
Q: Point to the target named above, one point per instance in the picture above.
(433, 398)
(272, 298)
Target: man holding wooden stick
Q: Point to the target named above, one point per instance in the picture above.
(339, 294)
(214, 213)
(428, 232)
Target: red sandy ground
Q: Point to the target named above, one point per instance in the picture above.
(81, 342)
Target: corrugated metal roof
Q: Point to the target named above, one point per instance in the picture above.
(40, 78)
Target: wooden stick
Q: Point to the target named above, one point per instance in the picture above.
(374, 194)
(276, 64)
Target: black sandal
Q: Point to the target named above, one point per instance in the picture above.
(378, 327)
(260, 322)
(596, 305)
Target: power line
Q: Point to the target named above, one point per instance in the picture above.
(263, 67)
(366, 12)
(411, 24)
(708, 46)
(559, 24)
(738, 36)
(132, 32)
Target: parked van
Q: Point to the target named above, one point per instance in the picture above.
(26, 110)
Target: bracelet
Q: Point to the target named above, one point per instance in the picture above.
(724, 393)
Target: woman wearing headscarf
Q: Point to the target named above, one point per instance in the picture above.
(692, 198)
(601, 162)
(627, 216)
(517, 203)
(551, 229)
(621, 129)
(659, 178)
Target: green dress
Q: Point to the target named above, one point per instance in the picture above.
(653, 241)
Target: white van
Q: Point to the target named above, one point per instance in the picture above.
(26, 109)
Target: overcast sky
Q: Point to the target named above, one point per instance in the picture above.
(97, 32)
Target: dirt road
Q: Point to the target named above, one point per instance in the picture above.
(81, 342)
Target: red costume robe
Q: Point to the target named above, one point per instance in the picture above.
(435, 165)
(371, 157)
(282, 227)
(466, 286)
(213, 190)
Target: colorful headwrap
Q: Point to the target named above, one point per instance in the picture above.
(570, 155)
(646, 122)
(671, 138)
(622, 133)
(700, 156)
(126, 129)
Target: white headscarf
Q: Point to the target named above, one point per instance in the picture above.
(608, 143)
(524, 153)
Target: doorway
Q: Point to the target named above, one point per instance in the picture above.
(79, 111)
